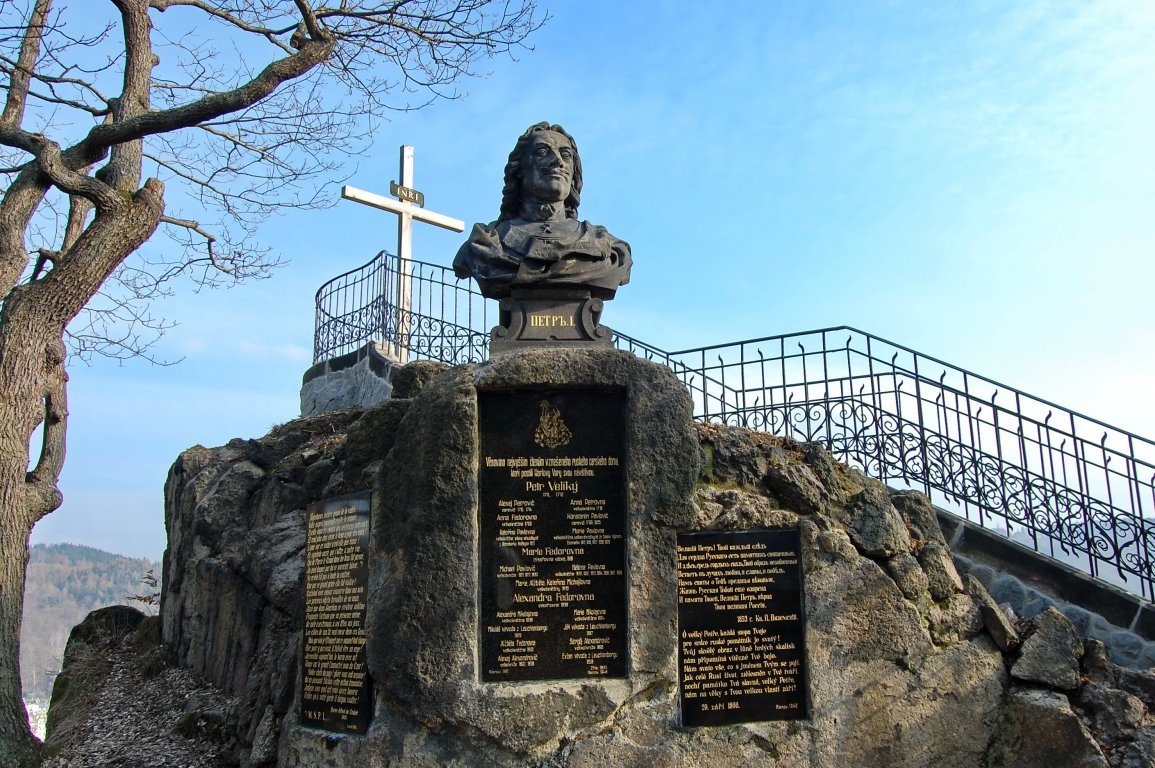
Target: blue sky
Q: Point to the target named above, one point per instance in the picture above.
(973, 180)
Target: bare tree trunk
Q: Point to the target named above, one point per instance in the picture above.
(28, 367)
(33, 385)
(17, 745)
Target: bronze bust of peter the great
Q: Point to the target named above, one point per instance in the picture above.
(537, 240)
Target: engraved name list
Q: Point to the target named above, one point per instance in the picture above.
(552, 534)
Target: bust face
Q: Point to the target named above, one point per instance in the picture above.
(547, 170)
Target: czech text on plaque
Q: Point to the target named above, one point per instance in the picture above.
(335, 690)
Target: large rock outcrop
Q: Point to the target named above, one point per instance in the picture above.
(232, 592)
(909, 665)
(120, 701)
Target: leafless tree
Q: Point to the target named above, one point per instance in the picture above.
(196, 118)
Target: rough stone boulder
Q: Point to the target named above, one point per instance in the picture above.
(908, 665)
(120, 701)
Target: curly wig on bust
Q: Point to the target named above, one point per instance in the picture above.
(511, 193)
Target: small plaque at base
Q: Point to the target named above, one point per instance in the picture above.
(335, 690)
(549, 318)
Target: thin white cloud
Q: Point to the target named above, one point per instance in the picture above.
(282, 350)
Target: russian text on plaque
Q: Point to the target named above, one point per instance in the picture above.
(552, 527)
(741, 627)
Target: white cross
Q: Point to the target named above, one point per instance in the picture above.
(406, 213)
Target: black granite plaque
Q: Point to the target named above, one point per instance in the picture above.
(335, 690)
(741, 625)
(552, 525)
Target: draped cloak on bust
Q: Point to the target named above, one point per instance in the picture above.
(515, 253)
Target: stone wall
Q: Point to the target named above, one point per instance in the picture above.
(358, 379)
(911, 664)
(1022, 599)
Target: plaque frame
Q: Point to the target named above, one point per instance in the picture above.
(763, 669)
(317, 712)
(553, 575)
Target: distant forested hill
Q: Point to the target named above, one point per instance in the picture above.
(65, 582)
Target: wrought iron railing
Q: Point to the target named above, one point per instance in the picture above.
(445, 318)
(1062, 483)
(1067, 485)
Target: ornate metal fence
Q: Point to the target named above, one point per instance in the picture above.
(1067, 485)
(1062, 483)
(446, 319)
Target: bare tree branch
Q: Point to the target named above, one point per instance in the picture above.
(199, 118)
(74, 182)
(117, 324)
(267, 33)
(94, 111)
(7, 66)
(190, 225)
(215, 105)
(21, 74)
(78, 210)
(123, 169)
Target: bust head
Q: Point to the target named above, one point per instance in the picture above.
(543, 164)
(537, 242)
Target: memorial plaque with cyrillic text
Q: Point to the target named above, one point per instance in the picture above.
(335, 690)
(552, 526)
(741, 627)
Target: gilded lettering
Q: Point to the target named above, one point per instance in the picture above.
(333, 668)
(551, 321)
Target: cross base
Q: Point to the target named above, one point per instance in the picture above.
(544, 317)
